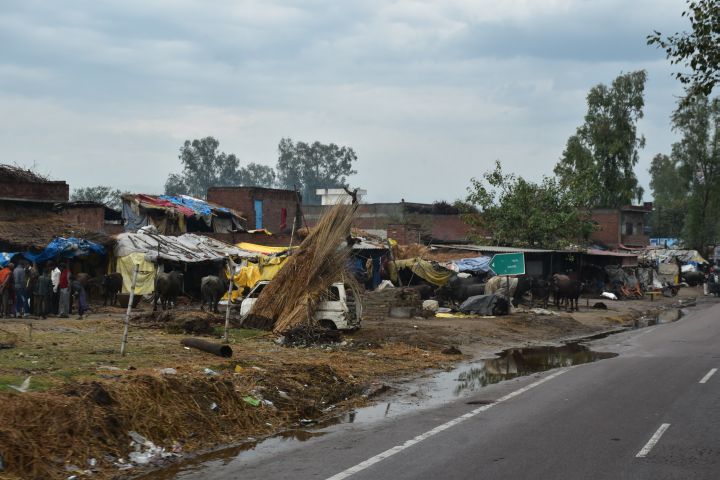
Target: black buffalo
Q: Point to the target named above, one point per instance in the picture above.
(167, 288)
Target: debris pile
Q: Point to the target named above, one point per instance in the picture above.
(321, 259)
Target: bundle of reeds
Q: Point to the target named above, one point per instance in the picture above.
(322, 258)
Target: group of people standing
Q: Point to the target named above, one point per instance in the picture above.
(28, 290)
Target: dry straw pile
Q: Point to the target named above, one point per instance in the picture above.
(289, 300)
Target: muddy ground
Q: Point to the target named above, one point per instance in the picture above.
(84, 398)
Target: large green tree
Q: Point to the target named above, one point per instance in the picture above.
(698, 50)
(308, 167)
(599, 159)
(697, 159)
(204, 166)
(669, 197)
(516, 212)
(102, 194)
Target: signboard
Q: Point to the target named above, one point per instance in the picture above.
(508, 264)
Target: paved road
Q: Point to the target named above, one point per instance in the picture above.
(642, 415)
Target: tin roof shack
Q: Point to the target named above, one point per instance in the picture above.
(622, 227)
(178, 214)
(406, 222)
(92, 215)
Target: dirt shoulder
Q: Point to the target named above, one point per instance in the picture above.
(84, 398)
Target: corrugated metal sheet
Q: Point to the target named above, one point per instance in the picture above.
(493, 249)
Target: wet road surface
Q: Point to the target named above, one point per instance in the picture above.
(652, 412)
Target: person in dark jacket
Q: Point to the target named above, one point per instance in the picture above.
(44, 295)
(20, 283)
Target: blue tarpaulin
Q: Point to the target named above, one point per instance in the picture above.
(477, 264)
(65, 248)
(5, 258)
(195, 204)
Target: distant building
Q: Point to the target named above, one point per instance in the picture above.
(333, 196)
(270, 209)
(622, 227)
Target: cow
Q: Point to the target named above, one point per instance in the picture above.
(212, 288)
(167, 288)
(513, 287)
(111, 286)
(541, 291)
(564, 288)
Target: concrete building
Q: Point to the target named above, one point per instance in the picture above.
(333, 196)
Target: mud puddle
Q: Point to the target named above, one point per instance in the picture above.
(666, 316)
(431, 391)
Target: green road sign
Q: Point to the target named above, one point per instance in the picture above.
(508, 264)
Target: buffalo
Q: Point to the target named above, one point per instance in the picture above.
(167, 288)
(541, 292)
(212, 288)
(565, 288)
(111, 286)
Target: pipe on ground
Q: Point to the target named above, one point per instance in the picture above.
(209, 347)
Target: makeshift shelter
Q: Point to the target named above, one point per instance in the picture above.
(148, 250)
(177, 214)
(431, 272)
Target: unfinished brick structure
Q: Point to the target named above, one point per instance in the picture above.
(622, 226)
(264, 208)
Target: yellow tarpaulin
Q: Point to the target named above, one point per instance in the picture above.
(248, 276)
(145, 283)
(422, 268)
(264, 249)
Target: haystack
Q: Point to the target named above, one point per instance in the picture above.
(322, 258)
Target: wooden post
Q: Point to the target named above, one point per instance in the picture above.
(229, 299)
(129, 310)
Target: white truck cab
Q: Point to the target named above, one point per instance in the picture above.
(340, 311)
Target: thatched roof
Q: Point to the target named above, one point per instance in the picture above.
(37, 233)
(13, 173)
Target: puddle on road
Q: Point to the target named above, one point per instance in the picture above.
(666, 316)
(428, 392)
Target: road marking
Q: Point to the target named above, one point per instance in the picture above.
(708, 375)
(424, 436)
(653, 441)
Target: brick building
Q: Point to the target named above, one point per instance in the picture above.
(93, 216)
(271, 209)
(626, 226)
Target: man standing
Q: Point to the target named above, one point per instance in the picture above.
(44, 293)
(79, 289)
(5, 287)
(55, 278)
(64, 287)
(20, 283)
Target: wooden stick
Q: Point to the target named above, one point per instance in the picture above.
(129, 310)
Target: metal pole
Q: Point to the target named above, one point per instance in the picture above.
(229, 299)
(292, 233)
(129, 310)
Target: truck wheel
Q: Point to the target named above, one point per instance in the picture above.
(328, 324)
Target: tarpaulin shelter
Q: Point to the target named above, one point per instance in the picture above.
(65, 248)
(149, 249)
(470, 265)
(176, 214)
(429, 271)
(6, 257)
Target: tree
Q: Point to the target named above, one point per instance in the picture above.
(101, 194)
(309, 167)
(204, 166)
(517, 212)
(699, 49)
(598, 161)
(697, 160)
(669, 197)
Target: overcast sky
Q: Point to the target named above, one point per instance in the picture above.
(428, 93)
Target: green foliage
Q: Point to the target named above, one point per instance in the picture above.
(697, 160)
(516, 212)
(204, 166)
(669, 197)
(598, 161)
(309, 167)
(102, 194)
(698, 50)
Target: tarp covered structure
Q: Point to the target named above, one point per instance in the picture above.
(172, 214)
(428, 271)
(58, 247)
(187, 248)
(6, 257)
(470, 265)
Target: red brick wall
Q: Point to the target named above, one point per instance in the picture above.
(404, 233)
(608, 223)
(243, 199)
(92, 218)
(50, 191)
(279, 240)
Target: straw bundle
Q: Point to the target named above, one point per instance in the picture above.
(289, 300)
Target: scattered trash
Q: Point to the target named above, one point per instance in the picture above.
(145, 452)
(430, 305)
(23, 387)
(210, 372)
(307, 421)
(109, 368)
(92, 462)
(542, 311)
(238, 368)
(251, 401)
(167, 371)
(283, 395)
(268, 403)
(609, 295)
(385, 284)
(214, 407)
